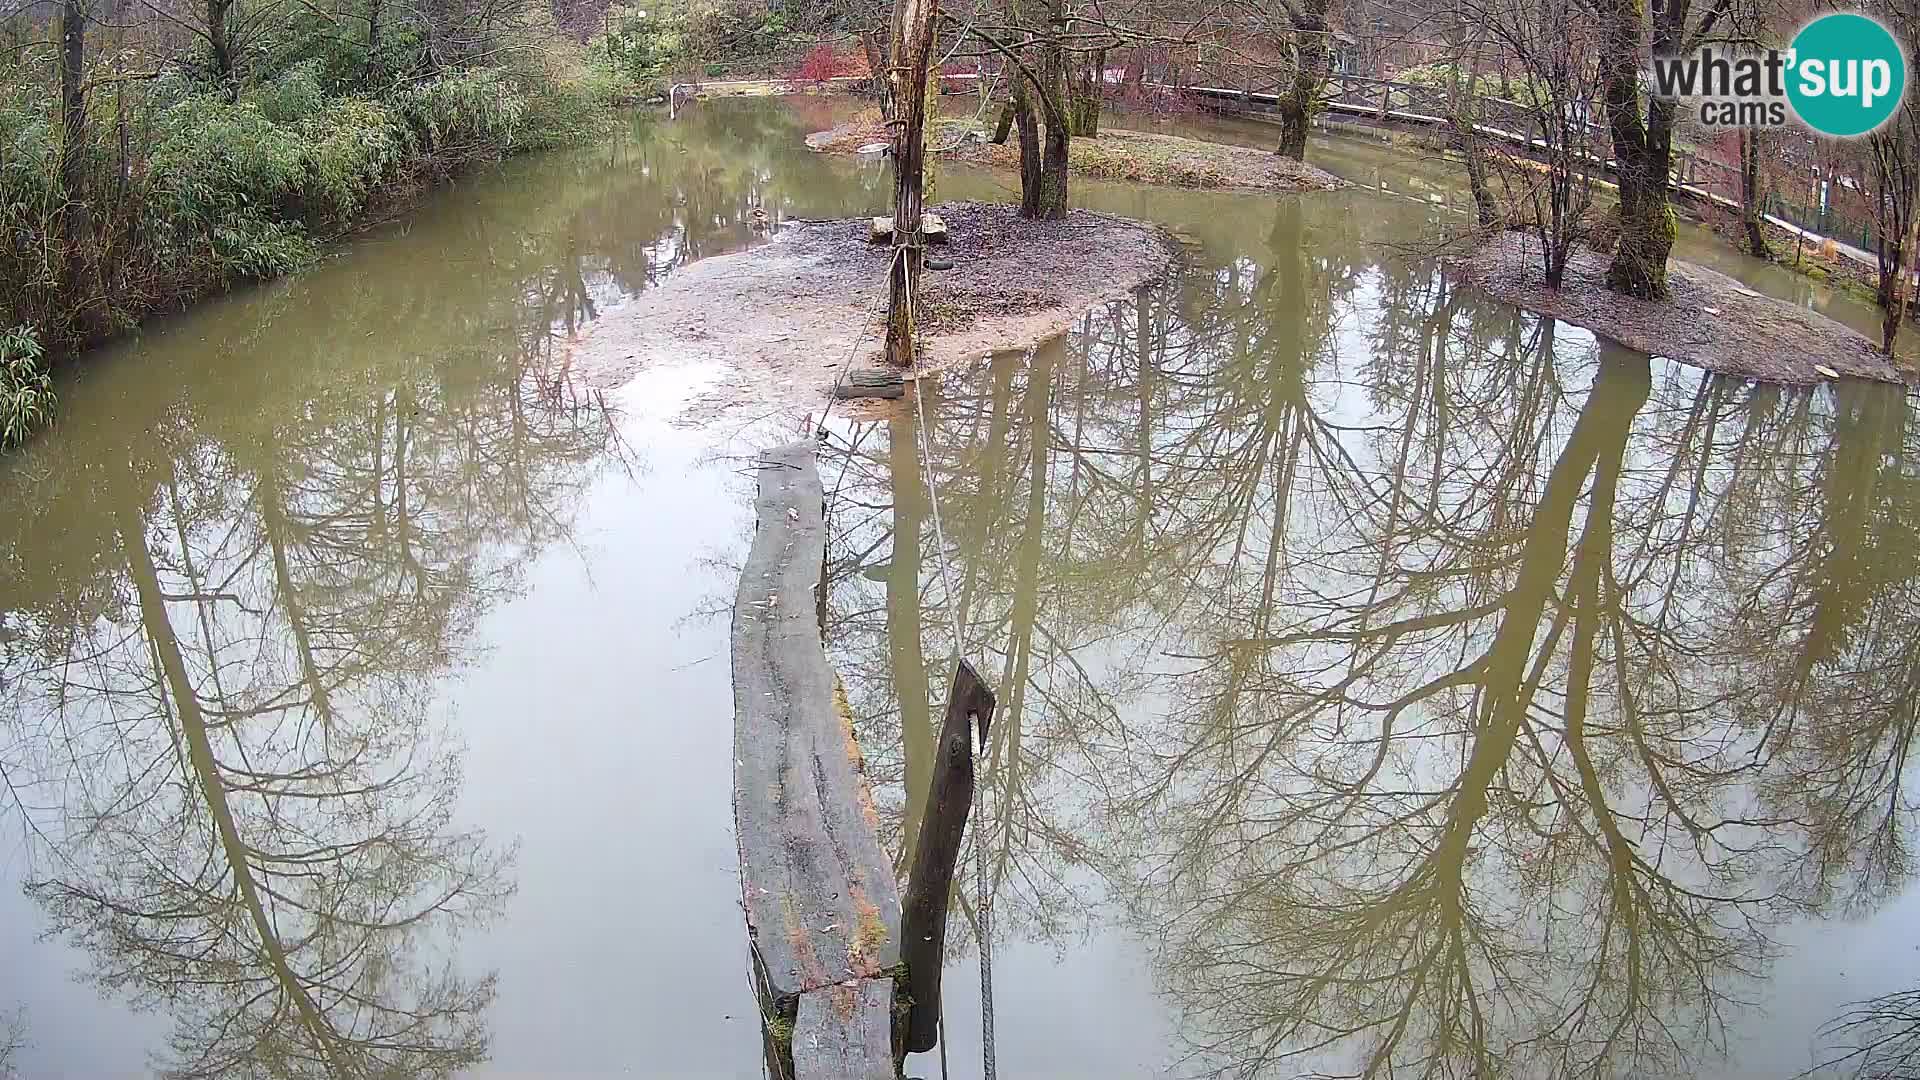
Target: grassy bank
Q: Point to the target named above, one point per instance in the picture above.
(183, 186)
(1115, 154)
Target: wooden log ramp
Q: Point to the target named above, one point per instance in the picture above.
(823, 911)
(839, 997)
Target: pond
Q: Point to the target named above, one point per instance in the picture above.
(1389, 680)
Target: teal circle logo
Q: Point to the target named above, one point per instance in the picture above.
(1848, 75)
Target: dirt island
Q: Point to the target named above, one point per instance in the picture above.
(1710, 321)
(788, 316)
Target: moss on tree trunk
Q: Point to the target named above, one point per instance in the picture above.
(1088, 87)
(1643, 149)
(1647, 233)
(1312, 59)
(1029, 126)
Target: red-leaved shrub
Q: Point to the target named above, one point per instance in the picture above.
(823, 62)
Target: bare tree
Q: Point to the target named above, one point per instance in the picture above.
(1895, 153)
(914, 26)
(1555, 82)
(1642, 128)
(1311, 45)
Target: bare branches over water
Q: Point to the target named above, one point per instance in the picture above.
(1439, 693)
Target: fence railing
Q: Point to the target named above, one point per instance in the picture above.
(1711, 182)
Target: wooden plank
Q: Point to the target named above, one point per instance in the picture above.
(845, 1032)
(822, 906)
(869, 383)
(937, 849)
(933, 228)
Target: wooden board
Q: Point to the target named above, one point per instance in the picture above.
(822, 905)
(933, 229)
(869, 383)
(845, 1032)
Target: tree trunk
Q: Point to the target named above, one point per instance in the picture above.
(1898, 296)
(1029, 126)
(1461, 114)
(73, 123)
(373, 37)
(1896, 216)
(1750, 194)
(1312, 57)
(1647, 226)
(1088, 88)
(913, 34)
(936, 853)
(1486, 208)
(1051, 202)
(1004, 127)
(1643, 149)
(218, 41)
(877, 77)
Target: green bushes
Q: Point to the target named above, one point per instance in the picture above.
(657, 42)
(478, 113)
(26, 391)
(642, 47)
(188, 190)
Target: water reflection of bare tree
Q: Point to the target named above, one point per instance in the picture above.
(250, 790)
(1048, 473)
(1837, 714)
(1351, 840)
(999, 447)
(1437, 694)
(13, 1038)
(1495, 811)
(1876, 1039)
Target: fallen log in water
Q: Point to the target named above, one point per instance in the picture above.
(823, 911)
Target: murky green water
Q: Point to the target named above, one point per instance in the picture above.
(1387, 678)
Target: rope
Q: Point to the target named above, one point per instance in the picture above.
(987, 1066)
(933, 494)
(902, 255)
(943, 1037)
(983, 898)
(852, 350)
